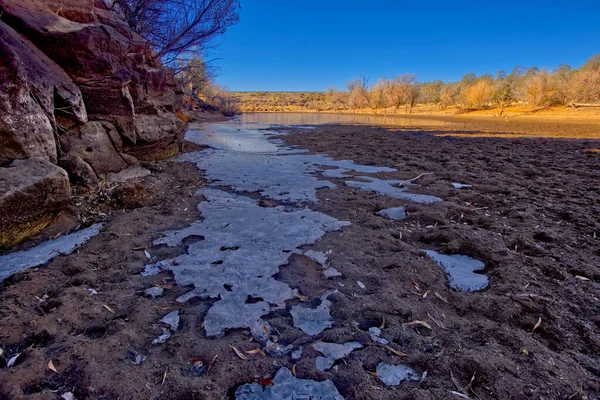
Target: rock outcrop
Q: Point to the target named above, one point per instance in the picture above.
(80, 89)
(32, 194)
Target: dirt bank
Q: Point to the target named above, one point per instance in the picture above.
(530, 217)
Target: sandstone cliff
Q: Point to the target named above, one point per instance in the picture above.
(80, 90)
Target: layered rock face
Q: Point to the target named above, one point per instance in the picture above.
(81, 90)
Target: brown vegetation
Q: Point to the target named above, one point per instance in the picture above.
(532, 87)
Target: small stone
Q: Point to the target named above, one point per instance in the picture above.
(171, 319)
(197, 369)
(297, 354)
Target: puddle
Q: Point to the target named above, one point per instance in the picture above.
(287, 386)
(12, 263)
(394, 213)
(461, 271)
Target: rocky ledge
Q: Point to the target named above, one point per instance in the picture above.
(79, 92)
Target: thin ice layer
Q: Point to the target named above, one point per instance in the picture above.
(248, 161)
(12, 263)
(287, 386)
(244, 245)
(461, 271)
(387, 188)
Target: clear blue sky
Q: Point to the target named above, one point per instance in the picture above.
(312, 44)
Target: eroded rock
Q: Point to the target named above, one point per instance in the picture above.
(32, 193)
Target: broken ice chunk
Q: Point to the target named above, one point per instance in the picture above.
(332, 353)
(335, 351)
(394, 213)
(323, 363)
(313, 320)
(260, 331)
(460, 185)
(376, 336)
(171, 319)
(277, 350)
(287, 386)
(317, 256)
(331, 272)
(393, 375)
(297, 354)
(154, 292)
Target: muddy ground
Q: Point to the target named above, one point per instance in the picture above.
(531, 217)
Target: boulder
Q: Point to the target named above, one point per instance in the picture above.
(32, 194)
(92, 144)
(80, 172)
(33, 89)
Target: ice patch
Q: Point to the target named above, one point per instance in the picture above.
(249, 162)
(394, 213)
(461, 271)
(12, 263)
(387, 188)
(460, 185)
(287, 386)
(313, 320)
(393, 375)
(243, 248)
(333, 352)
(375, 334)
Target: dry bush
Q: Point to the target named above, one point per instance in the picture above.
(478, 94)
(584, 84)
(539, 91)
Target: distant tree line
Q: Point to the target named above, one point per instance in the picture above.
(530, 86)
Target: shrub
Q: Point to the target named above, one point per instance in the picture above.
(478, 94)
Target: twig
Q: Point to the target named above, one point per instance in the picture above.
(415, 178)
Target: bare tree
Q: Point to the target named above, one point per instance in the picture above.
(178, 29)
(359, 92)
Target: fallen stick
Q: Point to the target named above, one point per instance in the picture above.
(415, 178)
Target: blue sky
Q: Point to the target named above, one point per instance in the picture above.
(311, 45)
